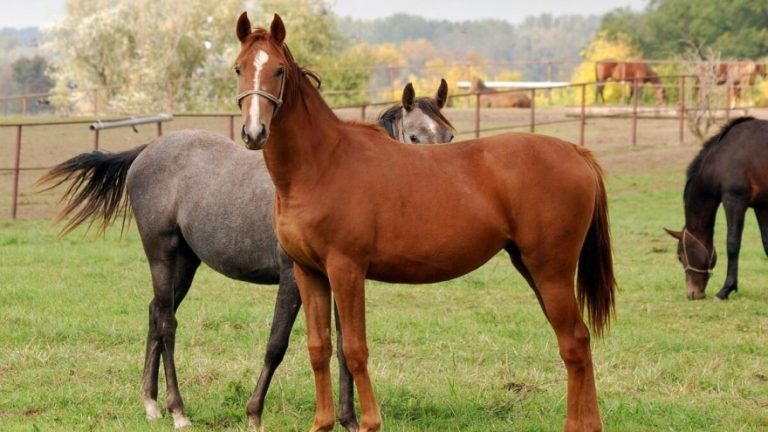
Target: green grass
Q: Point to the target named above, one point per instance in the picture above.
(473, 354)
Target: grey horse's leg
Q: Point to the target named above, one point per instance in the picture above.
(347, 416)
(735, 208)
(762, 222)
(173, 266)
(287, 307)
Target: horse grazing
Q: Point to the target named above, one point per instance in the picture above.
(352, 204)
(628, 71)
(493, 98)
(181, 188)
(732, 169)
(736, 75)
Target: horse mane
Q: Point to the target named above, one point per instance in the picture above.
(428, 105)
(707, 148)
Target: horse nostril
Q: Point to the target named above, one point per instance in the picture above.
(263, 131)
(243, 134)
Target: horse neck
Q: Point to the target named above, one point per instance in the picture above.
(700, 210)
(302, 139)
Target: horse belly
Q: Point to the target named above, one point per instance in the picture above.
(435, 261)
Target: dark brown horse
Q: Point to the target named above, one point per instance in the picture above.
(198, 197)
(352, 204)
(493, 98)
(732, 169)
(628, 72)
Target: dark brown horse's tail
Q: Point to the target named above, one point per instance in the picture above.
(97, 186)
(596, 284)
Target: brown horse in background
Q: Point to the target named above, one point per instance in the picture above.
(352, 204)
(494, 98)
(736, 75)
(628, 71)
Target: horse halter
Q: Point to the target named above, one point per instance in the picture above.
(276, 100)
(687, 263)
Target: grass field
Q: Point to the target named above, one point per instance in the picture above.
(473, 354)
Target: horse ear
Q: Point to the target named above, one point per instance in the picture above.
(408, 95)
(277, 29)
(442, 93)
(676, 234)
(243, 27)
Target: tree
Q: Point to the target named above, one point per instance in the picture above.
(735, 29)
(29, 74)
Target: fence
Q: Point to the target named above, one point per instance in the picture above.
(73, 132)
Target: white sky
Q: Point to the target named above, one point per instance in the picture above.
(42, 13)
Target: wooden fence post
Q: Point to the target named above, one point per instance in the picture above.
(16, 171)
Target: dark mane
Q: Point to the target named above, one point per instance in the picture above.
(391, 115)
(707, 148)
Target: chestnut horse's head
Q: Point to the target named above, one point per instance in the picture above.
(261, 68)
(697, 260)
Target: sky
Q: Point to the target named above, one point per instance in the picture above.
(42, 13)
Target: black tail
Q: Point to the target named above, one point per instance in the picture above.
(97, 189)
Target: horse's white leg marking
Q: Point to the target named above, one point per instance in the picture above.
(152, 409)
(258, 63)
(180, 420)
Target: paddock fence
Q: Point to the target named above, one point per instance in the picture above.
(29, 148)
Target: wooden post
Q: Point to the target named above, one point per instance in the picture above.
(549, 78)
(681, 108)
(477, 115)
(159, 128)
(16, 171)
(583, 117)
(362, 112)
(533, 110)
(232, 127)
(634, 111)
(96, 139)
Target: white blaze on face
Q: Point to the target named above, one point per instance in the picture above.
(258, 63)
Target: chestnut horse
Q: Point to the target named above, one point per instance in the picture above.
(352, 204)
(181, 188)
(493, 98)
(732, 169)
(737, 76)
(628, 71)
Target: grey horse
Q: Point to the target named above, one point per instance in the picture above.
(181, 190)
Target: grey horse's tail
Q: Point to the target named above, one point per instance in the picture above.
(97, 186)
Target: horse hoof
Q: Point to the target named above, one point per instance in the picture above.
(153, 410)
(180, 420)
(254, 424)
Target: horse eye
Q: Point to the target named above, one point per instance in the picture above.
(280, 71)
(237, 70)
(414, 138)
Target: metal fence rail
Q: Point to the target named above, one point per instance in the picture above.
(579, 116)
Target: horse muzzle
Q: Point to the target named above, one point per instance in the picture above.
(254, 141)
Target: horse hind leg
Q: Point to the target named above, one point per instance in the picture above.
(553, 284)
(287, 306)
(173, 266)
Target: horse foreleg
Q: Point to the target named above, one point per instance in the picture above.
(735, 208)
(316, 297)
(171, 280)
(348, 284)
(287, 306)
(762, 222)
(346, 384)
